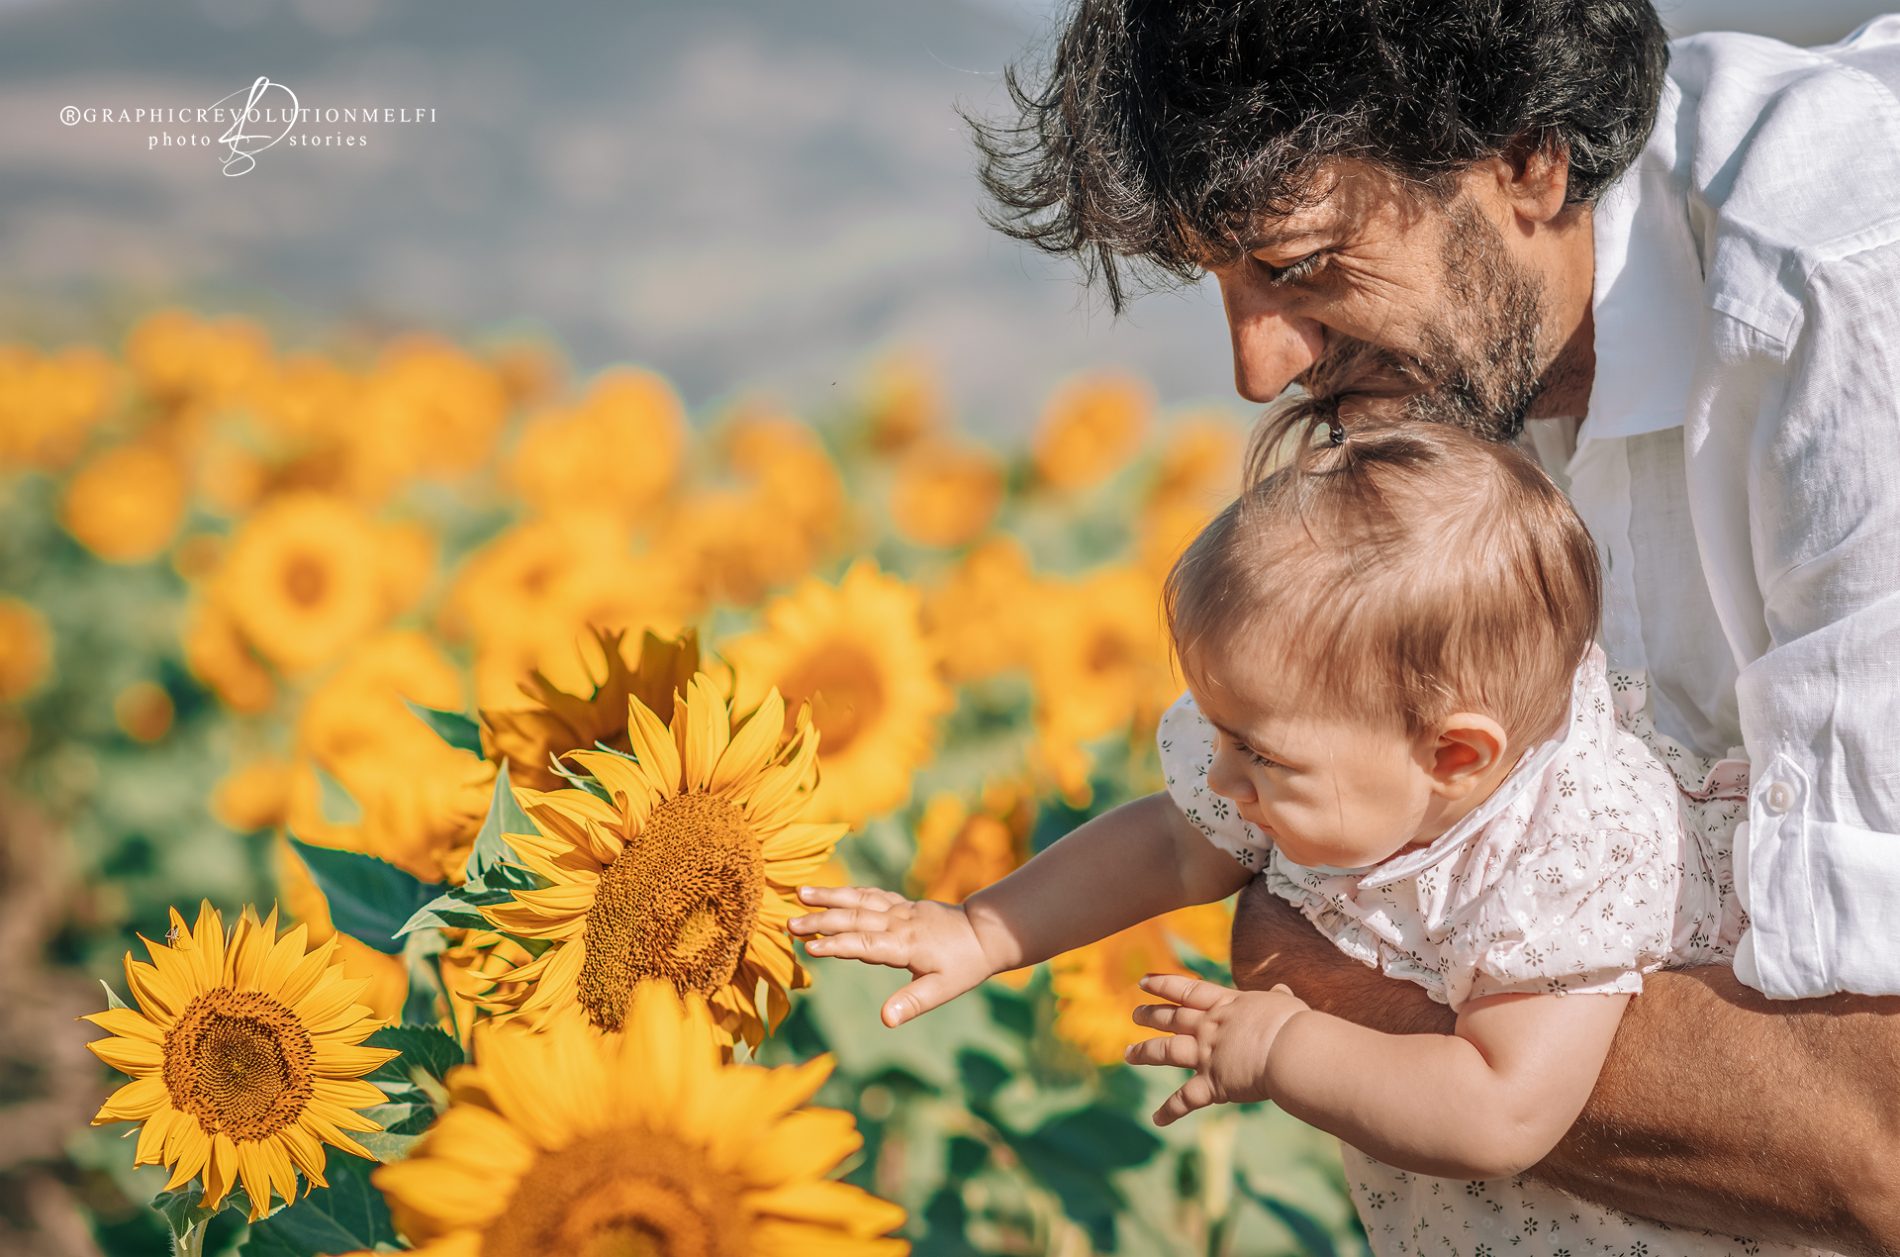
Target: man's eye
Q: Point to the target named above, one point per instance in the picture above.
(1293, 272)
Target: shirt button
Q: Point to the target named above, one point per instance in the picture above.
(1778, 797)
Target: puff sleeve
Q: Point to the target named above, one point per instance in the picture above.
(1585, 910)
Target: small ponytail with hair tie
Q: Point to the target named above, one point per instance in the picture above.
(1335, 432)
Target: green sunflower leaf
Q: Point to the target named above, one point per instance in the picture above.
(504, 817)
(347, 1216)
(370, 899)
(185, 1208)
(451, 726)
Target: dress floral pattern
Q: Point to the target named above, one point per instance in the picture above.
(1604, 855)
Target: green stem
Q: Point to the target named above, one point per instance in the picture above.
(192, 1242)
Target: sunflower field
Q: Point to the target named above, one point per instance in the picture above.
(409, 754)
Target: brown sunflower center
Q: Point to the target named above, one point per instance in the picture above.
(240, 1062)
(626, 1193)
(678, 902)
(845, 690)
(1107, 652)
(305, 579)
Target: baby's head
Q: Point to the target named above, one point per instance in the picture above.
(1378, 628)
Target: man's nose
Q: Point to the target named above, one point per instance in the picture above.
(1272, 346)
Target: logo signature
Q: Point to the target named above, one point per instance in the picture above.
(242, 146)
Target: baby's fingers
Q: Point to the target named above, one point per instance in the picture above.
(1196, 1093)
(920, 997)
(848, 896)
(1169, 1049)
(841, 921)
(878, 949)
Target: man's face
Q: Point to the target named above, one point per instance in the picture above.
(1386, 299)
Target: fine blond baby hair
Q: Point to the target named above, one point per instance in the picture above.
(1394, 571)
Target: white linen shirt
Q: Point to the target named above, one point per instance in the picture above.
(1739, 467)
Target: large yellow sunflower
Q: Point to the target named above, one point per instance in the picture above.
(567, 1142)
(557, 722)
(689, 874)
(858, 652)
(246, 1057)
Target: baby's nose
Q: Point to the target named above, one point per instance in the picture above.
(1229, 785)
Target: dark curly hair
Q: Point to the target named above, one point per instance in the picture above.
(1162, 127)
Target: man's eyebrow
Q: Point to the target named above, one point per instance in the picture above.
(1285, 239)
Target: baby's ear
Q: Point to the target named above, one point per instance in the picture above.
(1468, 747)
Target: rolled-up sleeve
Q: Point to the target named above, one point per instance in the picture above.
(1818, 857)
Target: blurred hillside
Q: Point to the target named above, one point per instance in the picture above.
(735, 192)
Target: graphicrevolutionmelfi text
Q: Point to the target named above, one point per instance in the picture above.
(212, 114)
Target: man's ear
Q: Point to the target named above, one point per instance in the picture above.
(1533, 179)
(1467, 748)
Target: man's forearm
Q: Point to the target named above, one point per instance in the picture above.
(1717, 1108)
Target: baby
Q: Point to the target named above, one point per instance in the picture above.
(1398, 716)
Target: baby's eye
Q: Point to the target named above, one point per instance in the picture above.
(1263, 761)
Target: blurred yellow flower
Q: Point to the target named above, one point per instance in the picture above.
(178, 357)
(26, 649)
(126, 504)
(144, 711)
(557, 722)
(421, 800)
(428, 407)
(219, 657)
(614, 453)
(1090, 429)
(50, 403)
(643, 1142)
(255, 795)
(1095, 985)
(960, 851)
(305, 578)
(1101, 661)
(904, 402)
(946, 494)
(688, 873)
(981, 613)
(246, 1057)
(858, 653)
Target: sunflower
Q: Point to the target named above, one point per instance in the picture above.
(26, 649)
(1095, 986)
(246, 1057)
(645, 1142)
(305, 579)
(615, 452)
(688, 874)
(946, 494)
(1091, 428)
(977, 611)
(559, 722)
(126, 504)
(857, 651)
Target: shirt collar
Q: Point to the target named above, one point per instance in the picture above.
(1647, 292)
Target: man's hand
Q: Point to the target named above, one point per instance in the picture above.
(1223, 1035)
(935, 941)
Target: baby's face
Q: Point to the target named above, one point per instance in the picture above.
(1332, 793)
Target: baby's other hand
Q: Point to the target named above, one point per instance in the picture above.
(935, 941)
(1223, 1035)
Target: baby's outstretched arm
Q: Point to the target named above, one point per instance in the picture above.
(1129, 864)
(1488, 1101)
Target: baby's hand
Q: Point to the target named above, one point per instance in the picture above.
(1223, 1035)
(935, 941)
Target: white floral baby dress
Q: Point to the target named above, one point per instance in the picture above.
(1604, 855)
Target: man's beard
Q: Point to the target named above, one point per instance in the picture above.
(1484, 381)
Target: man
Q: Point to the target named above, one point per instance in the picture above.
(1675, 271)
